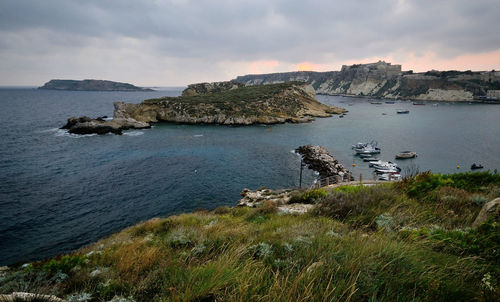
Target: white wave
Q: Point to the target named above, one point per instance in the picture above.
(198, 135)
(65, 133)
(316, 173)
(47, 130)
(108, 119)
(133, 133)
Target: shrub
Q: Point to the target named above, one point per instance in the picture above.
(361, 207)
(222, 210)
(309, 196)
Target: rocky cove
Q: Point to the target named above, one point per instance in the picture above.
(225, 103)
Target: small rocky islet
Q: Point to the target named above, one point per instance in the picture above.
(225, 103)
(90, 85)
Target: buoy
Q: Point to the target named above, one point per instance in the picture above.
(458, 167)
(353, 164)
(269, 130)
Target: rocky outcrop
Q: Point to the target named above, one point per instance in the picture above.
(260, 104)
(318, 159)
(87, 125)
(489, 210)
(281, 198)
(385, 80)
(204, 88)
(90, 85)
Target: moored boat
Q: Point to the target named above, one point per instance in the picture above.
(476, 166)
(402, 111)
(406, 155)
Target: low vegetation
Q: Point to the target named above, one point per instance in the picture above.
(409, 241)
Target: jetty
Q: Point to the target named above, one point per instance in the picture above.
(320, 160)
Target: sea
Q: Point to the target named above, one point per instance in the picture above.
(59, 192)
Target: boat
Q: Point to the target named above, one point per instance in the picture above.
(341, 116)
(418, 104)
(368, 150)
(365, 155)
(406, 154)
(390, 102)
(392, 176)
(376, 103)
(475, 166)
(403, 111)
(370, 159)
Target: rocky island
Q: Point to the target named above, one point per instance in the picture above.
(225, 103)
(384, 80)
(90, 85)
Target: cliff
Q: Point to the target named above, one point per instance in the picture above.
(90, 85)
(385, 80)
(231, 104)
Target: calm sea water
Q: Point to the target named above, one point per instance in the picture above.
(59, 192)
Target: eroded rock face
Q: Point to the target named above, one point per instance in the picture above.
(381, 79)
(87, 125)
(318, 159)
(490, 209)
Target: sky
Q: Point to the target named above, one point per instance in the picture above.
(178, 42)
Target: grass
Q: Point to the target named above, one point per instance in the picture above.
(378, 243)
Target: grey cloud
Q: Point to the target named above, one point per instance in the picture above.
(217, 30)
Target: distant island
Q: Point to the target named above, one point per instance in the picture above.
(225, 103)
(90, 85)
(384, 80)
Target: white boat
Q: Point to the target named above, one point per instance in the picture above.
(393, 176)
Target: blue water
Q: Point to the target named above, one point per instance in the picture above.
(59, 192)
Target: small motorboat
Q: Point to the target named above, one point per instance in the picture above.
(389, 176)
(406, 155)
(365, 155)
(368, 159)
(476, 166)
(403, 111)
(418, 104)
(390, 102)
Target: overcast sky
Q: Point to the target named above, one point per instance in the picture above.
(177, 42)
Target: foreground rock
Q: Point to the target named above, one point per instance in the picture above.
(229, 103)
(318, 159)
(90, 85)
(87, 125)
(281, 198)
(489, 210)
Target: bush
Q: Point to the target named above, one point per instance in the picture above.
(310, 196)
(361, 207)
(425, 182)
(222, 210)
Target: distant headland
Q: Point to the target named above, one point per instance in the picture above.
(90, 85)
(384, 80)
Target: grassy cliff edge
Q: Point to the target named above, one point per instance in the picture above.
(408, 241)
